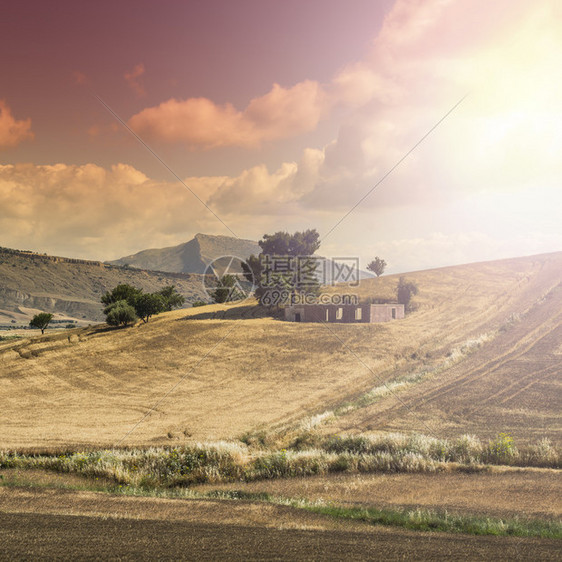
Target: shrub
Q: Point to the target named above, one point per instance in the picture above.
(502, 450)
(120, 313)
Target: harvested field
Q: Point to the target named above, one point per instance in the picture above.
(70, 525)
(485, 338)
(502, 493)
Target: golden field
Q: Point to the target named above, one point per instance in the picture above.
(480, 355)
(197, 405)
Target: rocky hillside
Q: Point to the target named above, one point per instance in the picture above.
(72, 287)
(192, 256)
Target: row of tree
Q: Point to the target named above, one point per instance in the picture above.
(125, 304)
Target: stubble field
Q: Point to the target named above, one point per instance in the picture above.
(480, 355)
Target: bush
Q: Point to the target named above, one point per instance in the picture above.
(120, 313)
(405, 291)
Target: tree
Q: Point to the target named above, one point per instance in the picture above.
(284, 244)
(122, 292)
(144, 305)
(148, 304)
(41, 321)
(227, 289)
(171, 298)
(404, 292)
(285, 266)
(377, 266)
(120, 313)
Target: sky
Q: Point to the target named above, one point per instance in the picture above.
(427, 132)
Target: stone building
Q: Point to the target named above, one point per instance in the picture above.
(346, 313)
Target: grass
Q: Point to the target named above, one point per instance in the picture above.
(413, 519)
(231, 461)
(10, 338)
(429, 520)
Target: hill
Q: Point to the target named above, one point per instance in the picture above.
(195, 255)
(192, 256)
(480, 355)
(70, 287)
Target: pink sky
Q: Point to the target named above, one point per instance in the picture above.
(282, 116)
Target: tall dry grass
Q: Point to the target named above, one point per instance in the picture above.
(311, 455)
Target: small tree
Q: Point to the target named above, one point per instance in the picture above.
(122, 292)
(148, 304)
(227, 289)
(41, 321)
(404, 292)
(171, 298)
(120, 313)
(377, 266)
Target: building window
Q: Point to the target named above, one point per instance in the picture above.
(327, 315)
(339, 313)
(358, 313)
(393, 313)
(297, 316)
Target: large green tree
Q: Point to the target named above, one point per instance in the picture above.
(227, 289)
(121, 292)
(143, 305)
(41, 321)
(149, 304)
(286, 265)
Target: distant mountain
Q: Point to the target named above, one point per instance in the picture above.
(71, 288)
(192, 256)
(195, 255)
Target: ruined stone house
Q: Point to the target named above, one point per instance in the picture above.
(345, 313)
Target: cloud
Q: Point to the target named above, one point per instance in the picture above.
(257, 191)
(92, 211)
(484, 184)
(200, 123)
(133, 79)
(504, 137)
(12, 131)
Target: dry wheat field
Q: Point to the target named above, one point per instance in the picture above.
(261, 425)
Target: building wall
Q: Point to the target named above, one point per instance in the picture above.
(386, 312)
(349, 314)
